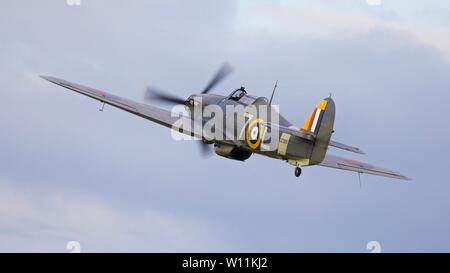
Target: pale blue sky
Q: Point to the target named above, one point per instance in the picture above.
(116, 182)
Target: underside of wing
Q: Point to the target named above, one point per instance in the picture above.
(155, 114)
(337, 162)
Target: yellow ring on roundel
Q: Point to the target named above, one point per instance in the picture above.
(251, 142)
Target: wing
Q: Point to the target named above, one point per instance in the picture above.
(337, 162)
(155, 114)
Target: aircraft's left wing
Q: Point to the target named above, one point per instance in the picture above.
(347, 164)
(155, 114)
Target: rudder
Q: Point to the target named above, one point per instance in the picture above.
(320, 122)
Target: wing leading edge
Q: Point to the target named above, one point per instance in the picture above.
(347, 164)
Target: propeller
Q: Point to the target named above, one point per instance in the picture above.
(152, 94)
(224, 70)
(205, 149)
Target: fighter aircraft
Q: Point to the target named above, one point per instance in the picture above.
(272, 136)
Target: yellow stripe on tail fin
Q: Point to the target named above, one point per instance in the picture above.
(312, 123)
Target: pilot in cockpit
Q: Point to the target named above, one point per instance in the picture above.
(238, 94)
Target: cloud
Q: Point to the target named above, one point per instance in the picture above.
(46, 219)
(304, 19)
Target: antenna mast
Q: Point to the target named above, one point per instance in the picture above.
(273, 92)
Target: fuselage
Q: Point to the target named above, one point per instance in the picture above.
(250, 124)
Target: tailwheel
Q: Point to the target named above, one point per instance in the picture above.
(298, 171)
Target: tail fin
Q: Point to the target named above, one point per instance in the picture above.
(321, 122)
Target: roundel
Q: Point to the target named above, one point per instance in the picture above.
(253, 135)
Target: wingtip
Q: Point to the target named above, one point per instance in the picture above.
(405, 178)
(44, 77)
(50, 79)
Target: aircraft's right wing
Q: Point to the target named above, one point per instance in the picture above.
(337, 162)
(155, 114)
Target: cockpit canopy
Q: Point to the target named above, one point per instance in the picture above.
(238, 94)
(241, 96)
(191, 101)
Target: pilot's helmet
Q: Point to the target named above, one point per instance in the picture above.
(242, 88)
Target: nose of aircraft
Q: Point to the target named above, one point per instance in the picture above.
(204, 99)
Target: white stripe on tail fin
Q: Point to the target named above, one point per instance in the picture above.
(312, 123)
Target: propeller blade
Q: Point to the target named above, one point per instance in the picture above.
(205, 149)
(158, 95)
(220, 75)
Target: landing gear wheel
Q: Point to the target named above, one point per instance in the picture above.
(298, 171)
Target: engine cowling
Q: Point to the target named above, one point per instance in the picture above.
(232, 152)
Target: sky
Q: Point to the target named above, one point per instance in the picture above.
(116, 182)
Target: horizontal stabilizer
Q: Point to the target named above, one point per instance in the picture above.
(346, 147)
